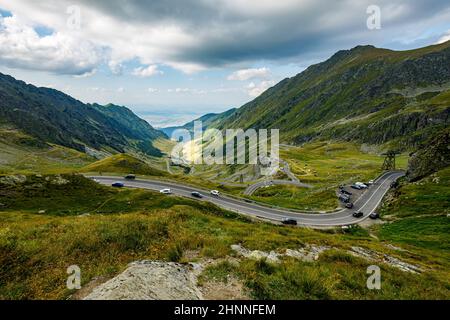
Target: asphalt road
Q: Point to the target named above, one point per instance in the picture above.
(367, 203)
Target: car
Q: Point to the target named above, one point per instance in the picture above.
(349, 205)
(118, 185)
(344, 198)
(374, 215)
(215, 193)
(356, 187)
(346, 192)
(289, 221)
(371, 181)
(196, 194)
(362, 185)
(130, 177)
(165, 191)
(358, 214)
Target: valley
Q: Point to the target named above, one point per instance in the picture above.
(59, 158)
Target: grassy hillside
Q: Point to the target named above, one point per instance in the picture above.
(325, 166)
(125, 164)
(23, 154)
(49, 223)
(51, 116)
(365, 95)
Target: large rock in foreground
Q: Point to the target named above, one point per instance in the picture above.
(150, 280)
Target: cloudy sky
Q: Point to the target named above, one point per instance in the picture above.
(171, 61)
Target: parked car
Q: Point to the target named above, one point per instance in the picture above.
(289, 221)
(362, 185)
(130, 177)
(346, 192)
(355, 186)
(374, 215)
(118, 185)
(196, 194)
(349, 205)
(358, 214)
(215, 193)
(344, 198)
(165, 191)
(371, 182)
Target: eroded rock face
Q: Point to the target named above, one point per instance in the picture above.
(150, 280)
(308, 253)
(384, 258)
(13, 180)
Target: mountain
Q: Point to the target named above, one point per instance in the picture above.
(366, 94)
(54, 117)
(208, 120)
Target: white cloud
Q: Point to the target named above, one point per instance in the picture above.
(152, 90)
(121, 90)
(192, 35)
(254, 90)
(22, 47)
(444, 38)
(148, 71)
(247, 74)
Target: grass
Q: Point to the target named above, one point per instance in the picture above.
(429, 196)
(128, 225)
(124, 164)
(425, 232)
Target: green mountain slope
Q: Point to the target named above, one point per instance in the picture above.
(365, 94)
(54, 117)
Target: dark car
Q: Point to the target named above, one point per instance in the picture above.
(130, 177)
(346, 192)
(118, 185)
(344, 198)
(196, 194)
(374, 215)
(289, 221)
(358, 214)
(349, 205)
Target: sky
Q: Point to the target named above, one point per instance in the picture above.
(171, 61)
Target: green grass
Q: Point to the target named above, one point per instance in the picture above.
(425, 232)
(129, 225)
(429, 196)
(124, 164)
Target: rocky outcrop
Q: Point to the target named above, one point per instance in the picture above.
(151, 280)
(434, 156)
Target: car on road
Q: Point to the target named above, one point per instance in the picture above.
(196, 194)
(349, 205)
(289, 221)
(215, 193)
(358, 214)
(374, 215)
(130, 177)
(165, 191)
(117, 185)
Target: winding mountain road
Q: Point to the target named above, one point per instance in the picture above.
(367, 202)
